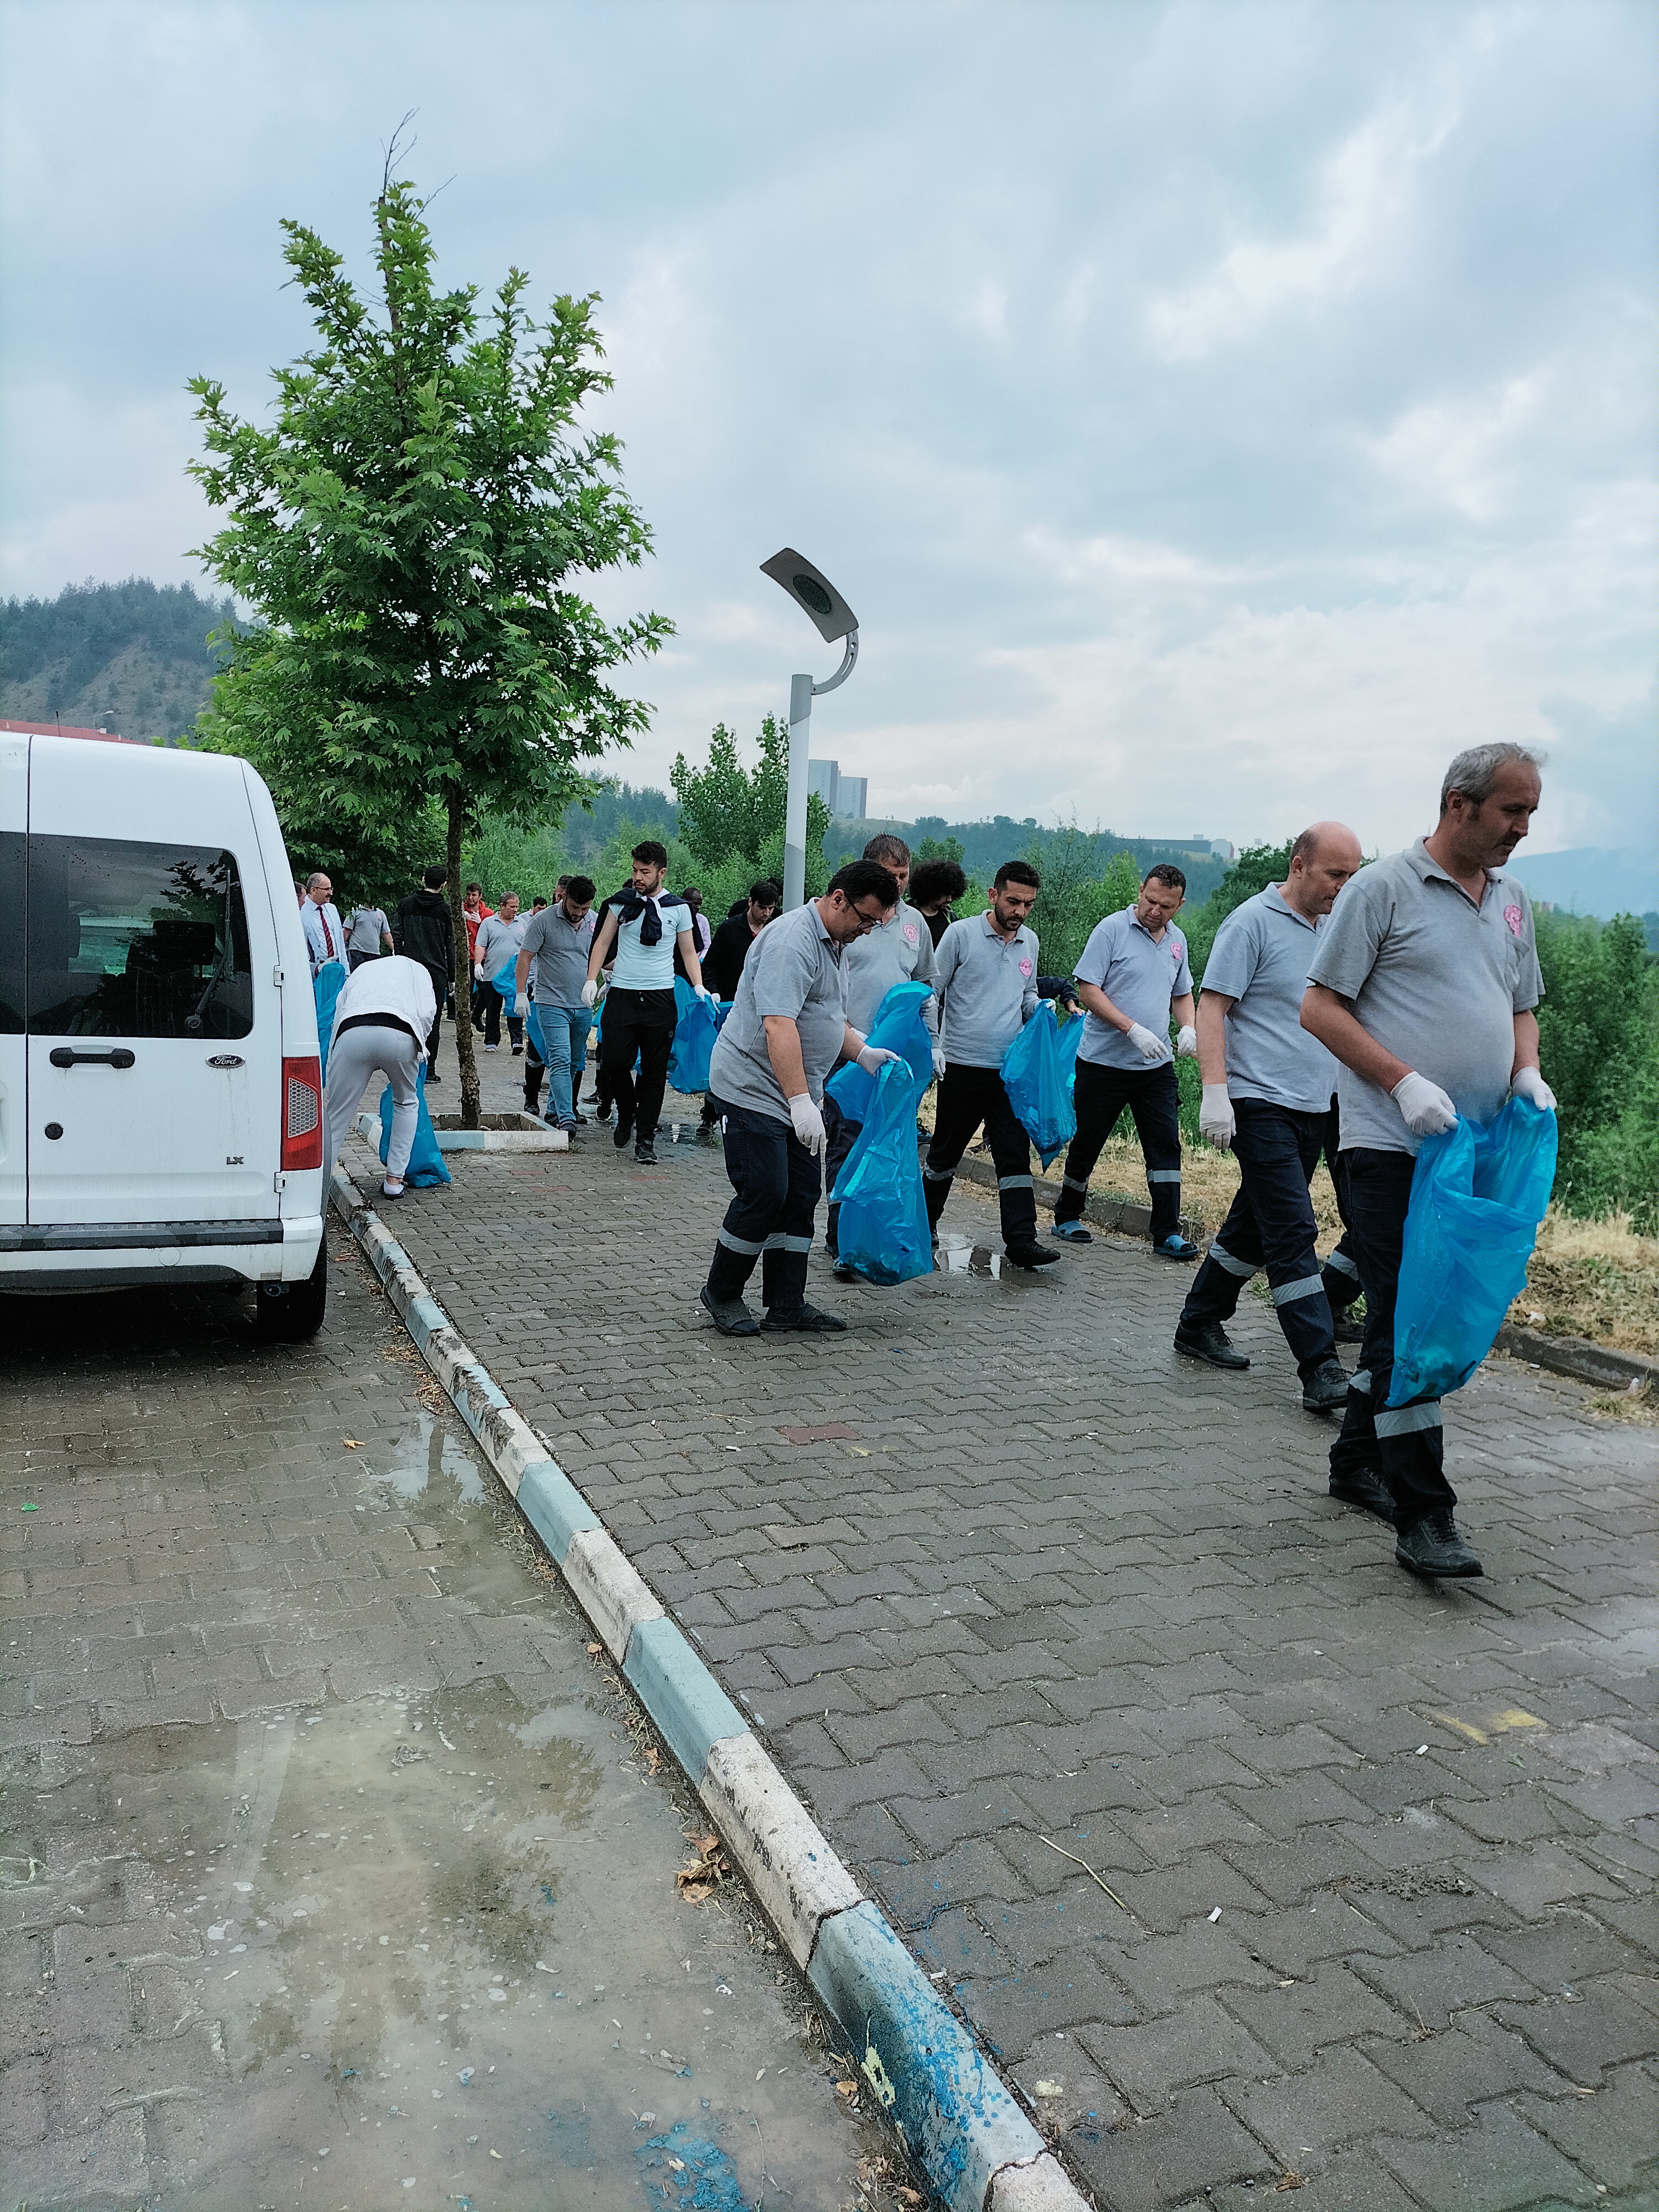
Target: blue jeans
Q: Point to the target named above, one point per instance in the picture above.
(565, 1029)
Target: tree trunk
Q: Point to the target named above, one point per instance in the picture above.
(471, 1117)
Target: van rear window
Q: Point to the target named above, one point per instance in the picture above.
(135, 941)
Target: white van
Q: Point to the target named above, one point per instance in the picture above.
(161, 1099)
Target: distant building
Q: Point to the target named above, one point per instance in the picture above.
(846, 795)
(1221, 850)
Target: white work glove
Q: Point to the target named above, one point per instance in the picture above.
(521, 1005)
(1216, 1121)
(707, 995)
(808, 1123)
(1186, 1043)
(590, 992)
(1150, 1047)
(872, 1058)
(1527, 1083)
(938, 1063)
(1427, 1110)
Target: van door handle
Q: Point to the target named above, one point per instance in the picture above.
(63, 1056)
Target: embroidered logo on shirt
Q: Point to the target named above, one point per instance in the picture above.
(1025, 967)
(909, 932)
(1512, 914)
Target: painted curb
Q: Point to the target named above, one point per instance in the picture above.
(977, 2147)
(1584, 1361)
(480, 1140)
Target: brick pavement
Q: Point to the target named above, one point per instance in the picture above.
(1384, 1851)
(264, 1602)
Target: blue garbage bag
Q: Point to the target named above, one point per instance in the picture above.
(883, 1231)
(507, 983)
(1039, 1071)
(1478, 1195)
(327, 984)
(534, 1031)
(899, 1027)
(426, 1167)
(699, 1024)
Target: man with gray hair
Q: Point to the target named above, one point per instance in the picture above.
(1424, 986)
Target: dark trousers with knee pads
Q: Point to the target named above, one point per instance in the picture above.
(966, 1097)
(1405, 1444)
(1270, 1224)
(1153, 1098)
(776, 1181)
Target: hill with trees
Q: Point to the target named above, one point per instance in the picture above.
(133, 658)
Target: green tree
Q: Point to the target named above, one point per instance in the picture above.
(411, 529)
(732, 819)
(1256, 867)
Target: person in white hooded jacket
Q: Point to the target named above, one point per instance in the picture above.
(382, 1019)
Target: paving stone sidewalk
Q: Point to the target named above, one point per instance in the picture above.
(998, 1578)
(331, 1859)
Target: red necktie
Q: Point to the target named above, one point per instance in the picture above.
(328, 934)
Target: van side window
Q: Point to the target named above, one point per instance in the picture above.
(11, 932)
(136, 941)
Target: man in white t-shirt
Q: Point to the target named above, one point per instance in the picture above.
(647, 925)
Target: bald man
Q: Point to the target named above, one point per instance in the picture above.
(1267, 1088)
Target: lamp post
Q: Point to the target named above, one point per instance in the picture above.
(833, 618)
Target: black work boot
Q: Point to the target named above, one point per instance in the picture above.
(1207, 1339)
(809, 1320)
(1325, 1388)
(1030, 1256)
(1431, 1547)
(1364, 1487)
(646, 1152)
(1348, 1328)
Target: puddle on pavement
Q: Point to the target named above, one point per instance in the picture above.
(959, 1256)
(422, 1948)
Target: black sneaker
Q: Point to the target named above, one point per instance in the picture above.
(1031, 1256)
(1364, 1487)
(730, 1316)
(576, 1122)
(1207, 1339)
(1326, 1390)
(646, 1152)
(1348, 1328)
(810, 1321)
(1431, 1547)
(622, 1131)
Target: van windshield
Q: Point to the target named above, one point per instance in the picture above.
(136, 941)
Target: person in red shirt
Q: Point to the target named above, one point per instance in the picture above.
(475, 914)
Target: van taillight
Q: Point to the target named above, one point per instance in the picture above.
(302, 1113)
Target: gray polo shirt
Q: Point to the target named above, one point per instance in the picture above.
(1259, 960)
(794, 968)
(1139, 974)
(896, 951)
(1437, 979)
(987, 984)
(558, 952)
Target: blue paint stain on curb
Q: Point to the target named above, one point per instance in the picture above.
(555, 1510)
(680, 1694)
(918, 2060)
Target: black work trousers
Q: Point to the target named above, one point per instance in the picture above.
(1406, 1445)
(439, 992)
(841, 1136)
(1153, 1098)
(1270, 1224)
(1341, 1269)
(966, 1097)
(640, 1023)
(776, 1181)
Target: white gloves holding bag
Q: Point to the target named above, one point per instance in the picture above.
(872, 1058)
(590, 992)
(1424, 1107)
(1527, 1083)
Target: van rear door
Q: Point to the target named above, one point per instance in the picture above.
(154, 1046)
(14, 1100)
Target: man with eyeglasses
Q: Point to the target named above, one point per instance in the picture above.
(786, 1030)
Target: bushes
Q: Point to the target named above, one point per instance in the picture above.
(1599, 1037)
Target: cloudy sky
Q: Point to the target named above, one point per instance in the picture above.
(1217, 414)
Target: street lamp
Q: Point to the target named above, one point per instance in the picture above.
(833, 618)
